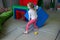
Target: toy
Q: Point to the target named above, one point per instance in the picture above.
(19, 10)
(19, 14)
(42, 17)
(35, 33)
(24, 2)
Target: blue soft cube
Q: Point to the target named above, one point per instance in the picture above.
(42, 17)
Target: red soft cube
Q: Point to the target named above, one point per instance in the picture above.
(24, 2)
(20, 14)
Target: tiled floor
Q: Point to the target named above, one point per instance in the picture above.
(14, 29)
(58, 37)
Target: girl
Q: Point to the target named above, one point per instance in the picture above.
(32, 16)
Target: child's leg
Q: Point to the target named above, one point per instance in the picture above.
(28, 24)
(35, 24)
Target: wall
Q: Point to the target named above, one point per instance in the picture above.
(15, 2)
(59, 1)
(46, 2)
(11, 2)
(1, 4)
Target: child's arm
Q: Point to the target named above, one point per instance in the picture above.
(36, 7)
(29, 15)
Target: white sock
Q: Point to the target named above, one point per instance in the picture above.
(26, 32)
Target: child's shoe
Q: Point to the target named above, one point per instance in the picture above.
(26, 32)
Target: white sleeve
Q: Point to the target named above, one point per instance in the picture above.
(29, 15)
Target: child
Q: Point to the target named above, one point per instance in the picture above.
(32, 16)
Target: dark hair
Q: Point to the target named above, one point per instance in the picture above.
(31, 5)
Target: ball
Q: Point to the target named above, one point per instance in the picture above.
(36, 33)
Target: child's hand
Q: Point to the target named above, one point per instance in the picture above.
(29, 20)
(36, 7)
